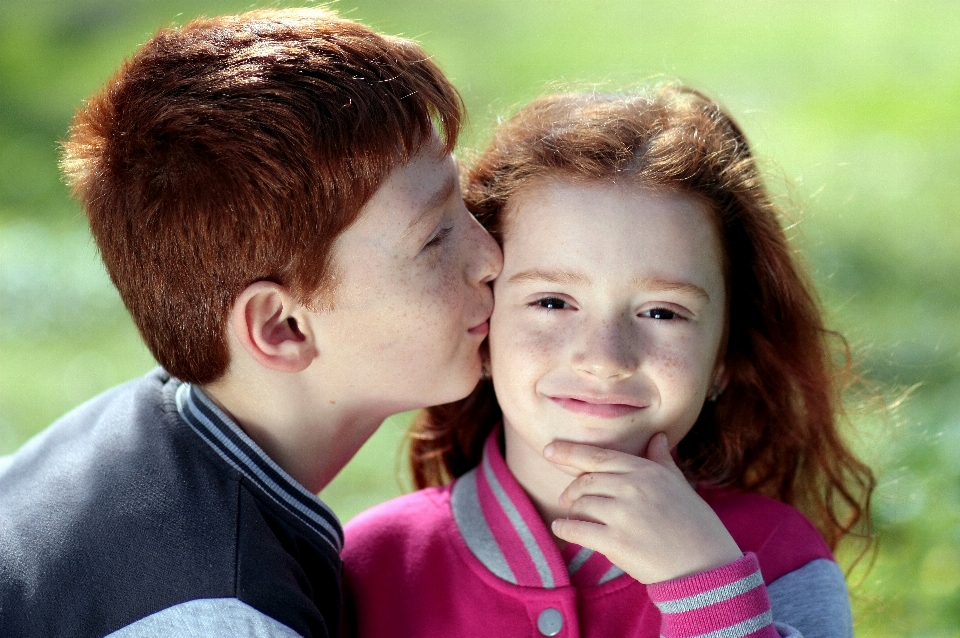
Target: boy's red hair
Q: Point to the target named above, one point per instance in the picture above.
(237, 149)
(774, 429)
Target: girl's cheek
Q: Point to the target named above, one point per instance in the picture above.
(519, 349)
(679, 356)
(682, 376)
(670, 363)
(536, 341)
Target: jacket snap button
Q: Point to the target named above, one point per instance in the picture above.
(550, 622)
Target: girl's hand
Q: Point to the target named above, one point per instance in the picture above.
(641, 513)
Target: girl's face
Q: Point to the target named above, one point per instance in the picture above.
(610, 311)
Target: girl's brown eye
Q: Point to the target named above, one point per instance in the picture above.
(660, 313)
(552, 303)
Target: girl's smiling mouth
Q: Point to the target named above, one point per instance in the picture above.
(609, 407)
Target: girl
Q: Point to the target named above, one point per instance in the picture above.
(649, 301)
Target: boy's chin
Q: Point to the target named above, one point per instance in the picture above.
(459, 388)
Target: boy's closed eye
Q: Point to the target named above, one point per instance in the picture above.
(438, 238)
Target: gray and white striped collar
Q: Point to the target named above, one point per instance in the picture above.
(506, 534)
(220, 432)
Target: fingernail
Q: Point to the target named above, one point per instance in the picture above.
(549, 450)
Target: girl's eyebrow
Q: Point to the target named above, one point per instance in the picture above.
(643, 282)
(659, 284)
(551, 277)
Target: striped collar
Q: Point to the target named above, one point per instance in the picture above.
(504, 531)
(221, 433)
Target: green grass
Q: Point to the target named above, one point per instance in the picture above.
(851, 105)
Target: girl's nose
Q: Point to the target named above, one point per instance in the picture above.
(607, 350)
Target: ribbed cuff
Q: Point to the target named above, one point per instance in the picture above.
(731, 599)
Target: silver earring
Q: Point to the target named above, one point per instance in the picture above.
(714, 393)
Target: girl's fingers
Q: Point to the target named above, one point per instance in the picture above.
(593, 509)
(588, 458)
(658, 451)
(594, 483)
(582, 533)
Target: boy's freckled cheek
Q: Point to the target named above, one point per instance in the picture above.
(438, 285)
(450, 288)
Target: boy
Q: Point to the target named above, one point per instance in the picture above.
(283, 221)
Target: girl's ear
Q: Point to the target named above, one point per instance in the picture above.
(720, 380)
(268, 321)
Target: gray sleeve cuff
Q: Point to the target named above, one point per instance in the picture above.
(814, 600)
(207, 618)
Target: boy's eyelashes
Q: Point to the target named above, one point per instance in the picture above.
(437, 239)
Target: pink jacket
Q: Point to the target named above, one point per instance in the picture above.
(475, 559)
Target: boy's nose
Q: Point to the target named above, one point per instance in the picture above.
(487, 258)
(607, 350)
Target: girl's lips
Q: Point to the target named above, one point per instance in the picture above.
(480, 330)
(589, 408)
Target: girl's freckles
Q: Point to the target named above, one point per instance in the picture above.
(536, 342)
(536, 338)
(665, 361)
(670, 366)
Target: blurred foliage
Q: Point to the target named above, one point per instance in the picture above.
(852, 105)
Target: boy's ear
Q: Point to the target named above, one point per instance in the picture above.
(268, 322)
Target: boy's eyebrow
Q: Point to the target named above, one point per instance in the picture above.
(644, 282)
(434, 202)
(443, 193)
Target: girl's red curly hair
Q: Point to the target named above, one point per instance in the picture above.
(775, 428)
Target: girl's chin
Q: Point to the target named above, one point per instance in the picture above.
(569, 471)
(633, 446)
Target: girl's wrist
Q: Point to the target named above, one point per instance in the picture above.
(713, 553)
(709, 561)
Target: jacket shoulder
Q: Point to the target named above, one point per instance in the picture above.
(783, 538)
(398, 526)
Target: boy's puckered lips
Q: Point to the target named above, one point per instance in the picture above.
(481, 329)
(482, 326)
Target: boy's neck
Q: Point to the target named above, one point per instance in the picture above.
(309, 436)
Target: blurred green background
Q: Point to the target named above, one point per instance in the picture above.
(853, 105)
